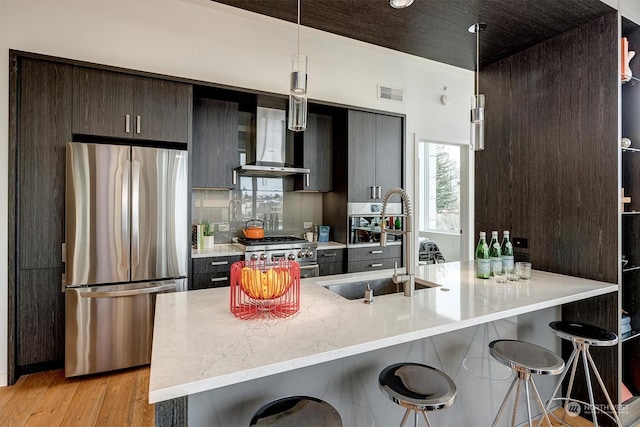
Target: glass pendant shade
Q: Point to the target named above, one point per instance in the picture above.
(477, 122)
(298, 93)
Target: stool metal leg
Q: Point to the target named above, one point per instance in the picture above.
(515, 403)
(405, 418)
(545, 416)
(589, 388)
(526, 392)
(572, 365)
(504, 402)
(606, 394)
(424, 414)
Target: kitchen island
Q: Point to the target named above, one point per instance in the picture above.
(225, 368)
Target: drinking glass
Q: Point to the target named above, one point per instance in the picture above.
(524, 270)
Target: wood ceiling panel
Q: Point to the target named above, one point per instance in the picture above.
(437, 29)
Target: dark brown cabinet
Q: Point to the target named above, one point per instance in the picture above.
(43, 123)
(40, 321)
(214, 151)
(111, 104)
(374, 155)
(331, 261)
(373, 258)
(213, 272)
(313, 150)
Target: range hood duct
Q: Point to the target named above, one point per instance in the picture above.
(267, 155)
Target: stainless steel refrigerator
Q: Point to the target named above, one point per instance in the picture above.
(127, 239)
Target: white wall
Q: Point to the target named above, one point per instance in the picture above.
(201, 40)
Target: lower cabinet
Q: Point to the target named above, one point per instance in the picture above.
(212, 272)
(40, 320)
(331, 261)
(373, 258)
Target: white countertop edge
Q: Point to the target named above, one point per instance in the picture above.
(330, 245)
(280, 367)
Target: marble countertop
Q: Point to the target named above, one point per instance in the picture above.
(225, 249)
(330, 245)
(199, 345)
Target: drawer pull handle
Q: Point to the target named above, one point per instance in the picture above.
(329, 255)
(219, 262)
(219, 279)
(375, 252)
(375, 265)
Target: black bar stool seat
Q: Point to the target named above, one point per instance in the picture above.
(583, 336)
(525, 359)
(296, 411)
(417, 388)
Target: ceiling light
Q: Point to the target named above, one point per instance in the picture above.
(298, 89)
(400, 4)
(476, 142)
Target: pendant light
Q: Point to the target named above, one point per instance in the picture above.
(477, 100)
(298, 89)
(400, 4)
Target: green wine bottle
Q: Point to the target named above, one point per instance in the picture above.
(495, 253)
(507, 253)
(483, 260)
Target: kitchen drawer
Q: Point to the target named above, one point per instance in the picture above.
(374, 252)
(215, 264)
(330, 255)
(329, 268)
(214, 280)
(372, 265)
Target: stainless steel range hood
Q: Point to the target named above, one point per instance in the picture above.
(267, 155)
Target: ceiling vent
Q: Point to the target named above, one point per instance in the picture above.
(385, 92)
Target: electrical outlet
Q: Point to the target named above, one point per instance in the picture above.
(520, 242)
(307, 224)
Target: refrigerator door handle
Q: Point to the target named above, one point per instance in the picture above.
(129, 292)
(135, 214)
(125, 214)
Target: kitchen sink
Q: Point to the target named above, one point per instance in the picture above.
(382, 286)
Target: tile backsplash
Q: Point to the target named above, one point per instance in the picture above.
(283, 212)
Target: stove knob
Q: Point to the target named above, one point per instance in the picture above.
(300, 254)
(254, 257)
(309, 254)
(263, 257)
(291, 257)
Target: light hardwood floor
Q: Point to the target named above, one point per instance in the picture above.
(48, 399)
(114, 399)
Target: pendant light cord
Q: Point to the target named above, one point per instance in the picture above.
(477, 58)
(298, 29)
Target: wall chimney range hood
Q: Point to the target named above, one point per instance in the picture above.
(266, 156)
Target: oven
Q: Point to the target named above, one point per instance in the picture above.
(275, 248)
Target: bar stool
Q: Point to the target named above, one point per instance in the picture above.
(582, 336)
(526, 359)
(417, 388)
(295, 411)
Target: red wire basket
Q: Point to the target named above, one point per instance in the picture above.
(265, 288)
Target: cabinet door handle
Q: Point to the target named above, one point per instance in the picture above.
(138, 128)
(219, 279)
(306, 179)
(375, 265)
(234, 177)
(330, 255)
(219, 262)
(379, 192)
(375, 252)
(127, 123)
(372, 193)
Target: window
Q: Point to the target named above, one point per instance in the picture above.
(439, 187)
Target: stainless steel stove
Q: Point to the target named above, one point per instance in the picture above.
(274, 248)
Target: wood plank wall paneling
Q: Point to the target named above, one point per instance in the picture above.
(549, 170)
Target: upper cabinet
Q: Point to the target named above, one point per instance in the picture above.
(119, 105)
(314, 151)
(374, 155)
(214, 151)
